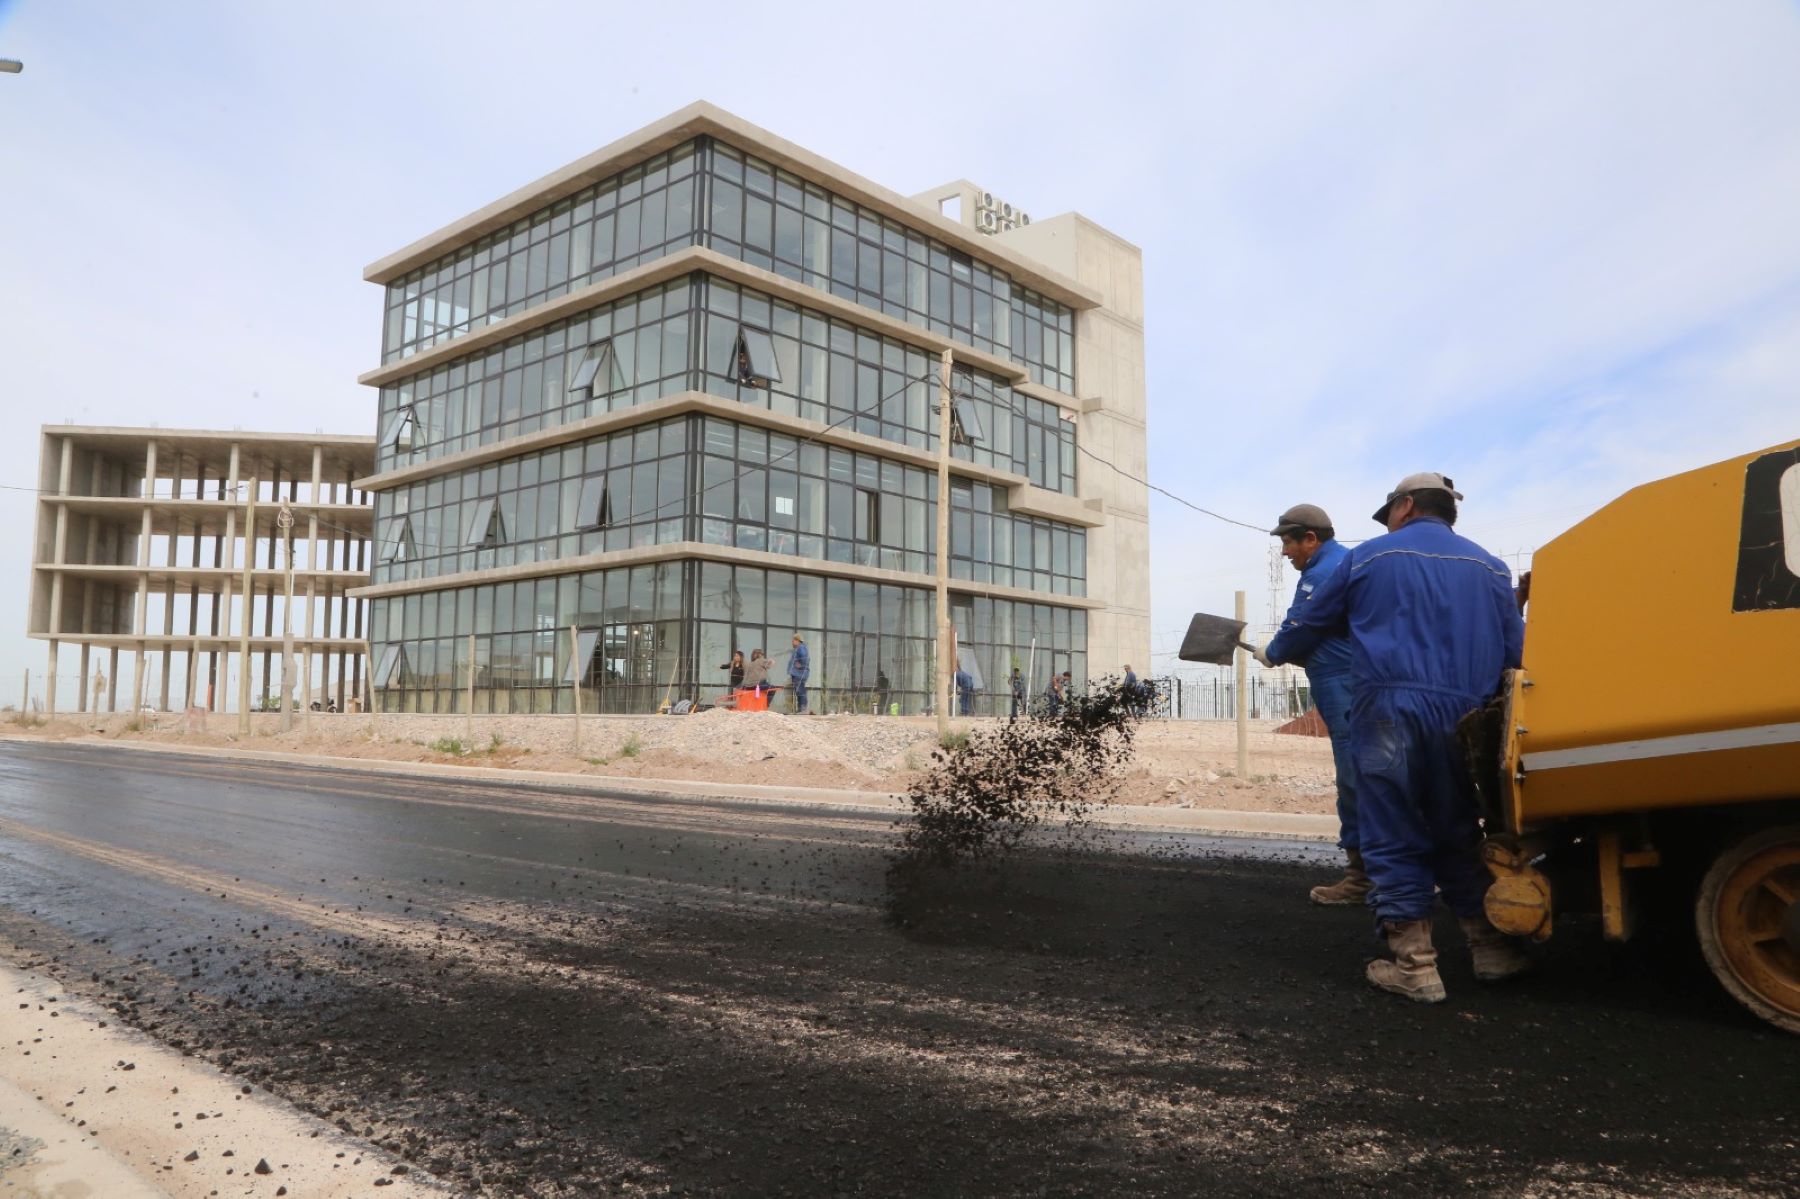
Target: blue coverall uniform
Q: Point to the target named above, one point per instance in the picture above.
(799, 670)
(1433, 626)
(1328, 673)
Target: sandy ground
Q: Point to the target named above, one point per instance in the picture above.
(1188, 764)
(90, 1108)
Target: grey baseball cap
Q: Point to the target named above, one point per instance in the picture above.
(1300, 518)
(1425, 480)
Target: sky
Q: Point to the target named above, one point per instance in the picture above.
(1548, 249)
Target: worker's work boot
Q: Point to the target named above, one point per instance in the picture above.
(1352, 889)
(1413, 973)
(1496, 955)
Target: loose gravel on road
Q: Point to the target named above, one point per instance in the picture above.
(525, 995)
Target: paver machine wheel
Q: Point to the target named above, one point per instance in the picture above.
(1748, 917)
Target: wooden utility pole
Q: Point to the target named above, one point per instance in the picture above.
(945, 648)
(1243, 708)
(576, 671)
(469, 713)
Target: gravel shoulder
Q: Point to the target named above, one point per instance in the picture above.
(1179, 765)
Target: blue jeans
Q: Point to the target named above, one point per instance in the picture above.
(1420, 823)
(1332, 694)
(799, 693)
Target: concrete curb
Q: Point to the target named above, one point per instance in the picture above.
(1296, 826)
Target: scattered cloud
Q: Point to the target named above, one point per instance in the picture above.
(1548, 249)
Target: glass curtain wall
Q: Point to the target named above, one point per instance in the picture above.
(696, 478)
(709, 193)
(777, 221)
(644, 636)
(638, 216)
(687, 336)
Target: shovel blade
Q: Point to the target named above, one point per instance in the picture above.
(1211, 639)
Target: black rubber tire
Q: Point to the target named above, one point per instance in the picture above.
(1778, 1003)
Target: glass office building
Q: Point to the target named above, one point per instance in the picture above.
(681, 398)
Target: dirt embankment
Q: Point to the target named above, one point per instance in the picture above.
(1190, 764)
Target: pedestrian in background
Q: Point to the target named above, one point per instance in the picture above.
(756, 672)
(799, 669)
(1434, 626)
(1018, 694)
(883, 688)
(736, 667)
(965, 692)
(1309, 543)
(1053, 695)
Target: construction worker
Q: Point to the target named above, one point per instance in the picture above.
(1433, 627)
(1309, 543)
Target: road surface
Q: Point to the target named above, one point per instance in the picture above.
(532, 991)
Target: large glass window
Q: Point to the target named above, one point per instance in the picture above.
(635, 217)
(753, 212)
(833, 372)
(633, 638)
(826, 241)
(613, 356)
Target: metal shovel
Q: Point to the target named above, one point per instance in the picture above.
(1211, 639)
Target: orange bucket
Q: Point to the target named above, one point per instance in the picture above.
(748, 700)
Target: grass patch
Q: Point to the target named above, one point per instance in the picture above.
(631, 747)
(954, 741)
(449, 745)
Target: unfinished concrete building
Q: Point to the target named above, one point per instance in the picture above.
(170, 546)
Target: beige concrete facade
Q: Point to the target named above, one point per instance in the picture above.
(1112, 427)
(164, 544)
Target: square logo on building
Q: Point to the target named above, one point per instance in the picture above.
(1768, 574)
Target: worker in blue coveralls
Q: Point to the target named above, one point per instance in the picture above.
(1433, 628)
(1309, 543)
(799, 670)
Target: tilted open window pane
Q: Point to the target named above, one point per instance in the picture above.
(598, 373)
(486, 528)
(756, 358)
(594, 511)
(391, 671)
(400, 429)
(584, 654)
(398, 545)
(965, 422)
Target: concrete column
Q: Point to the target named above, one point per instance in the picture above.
(212, 655)
(81, 692)
(112, 682)
(95, 478)
(168, 654)
(269, 611)
(341, 561)
(59, 556)
(143, 597)
(222, 618)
